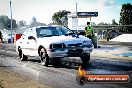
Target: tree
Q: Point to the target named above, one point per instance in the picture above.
(34, 23)
(102, 23)
(5, 22)
(126, 16)
(21, 23)
(114, 22)
(14, 25)
(60, 18)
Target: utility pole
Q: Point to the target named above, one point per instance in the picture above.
(11, 21)
(76, 19)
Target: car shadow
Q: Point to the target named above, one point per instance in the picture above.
(61, 64)
(34, 60)
(89, 66)
(71, 65)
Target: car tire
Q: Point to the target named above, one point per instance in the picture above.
(85, 58)
(44, 57)
(21, 55)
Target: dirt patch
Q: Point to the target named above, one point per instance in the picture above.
(10, 80)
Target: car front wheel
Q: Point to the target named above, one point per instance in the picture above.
(44, 57)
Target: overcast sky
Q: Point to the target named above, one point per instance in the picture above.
(44, 9)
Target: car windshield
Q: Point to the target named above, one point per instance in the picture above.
(52, 31)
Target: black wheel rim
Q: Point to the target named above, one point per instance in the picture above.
(43, 58)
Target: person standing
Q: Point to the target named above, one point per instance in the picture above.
(89, 31)
(1, 37)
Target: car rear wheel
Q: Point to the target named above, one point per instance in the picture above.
(21, 55)
(44, 57)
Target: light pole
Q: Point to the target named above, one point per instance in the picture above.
(76, 18)
(11, 21)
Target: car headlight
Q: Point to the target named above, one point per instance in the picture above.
(53, 46)
(86, 42)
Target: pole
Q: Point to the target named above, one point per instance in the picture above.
(90, 20)
(76, 19)
(11, 21)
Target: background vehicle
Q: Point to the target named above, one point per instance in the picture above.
(7, 38)
(50, 42)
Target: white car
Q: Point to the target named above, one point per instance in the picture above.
(7, 38)
(49, 42)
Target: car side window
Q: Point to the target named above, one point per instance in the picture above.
(45, 32)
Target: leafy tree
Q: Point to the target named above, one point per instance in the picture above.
(60, 18)
(34, 23)
(126, 16)
(14, 25)
(114, 22)
(5, 22)
(21, 23)
(102, 23)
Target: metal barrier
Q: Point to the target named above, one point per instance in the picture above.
(102, 30)
(105, 31)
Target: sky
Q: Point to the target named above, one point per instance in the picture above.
(43, 10)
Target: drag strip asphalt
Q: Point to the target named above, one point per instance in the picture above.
(63, 76)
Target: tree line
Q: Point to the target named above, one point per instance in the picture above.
(5, 23)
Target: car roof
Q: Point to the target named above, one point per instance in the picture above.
(47, 26)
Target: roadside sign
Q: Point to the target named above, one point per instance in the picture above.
(87, 14)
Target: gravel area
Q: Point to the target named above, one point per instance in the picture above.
(11, 80)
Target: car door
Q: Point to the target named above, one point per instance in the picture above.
(32, 43)
(32, 46)
(23, 44)
(28, 43)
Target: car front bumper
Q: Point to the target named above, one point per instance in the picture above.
(57, 53)
(69, 52)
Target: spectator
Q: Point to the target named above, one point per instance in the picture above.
(109, 35)
(89, 31)
(1, 37)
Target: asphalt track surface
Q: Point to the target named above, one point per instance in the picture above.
(64, 75)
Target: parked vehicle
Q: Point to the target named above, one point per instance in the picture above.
(7, 38)
(50, 42)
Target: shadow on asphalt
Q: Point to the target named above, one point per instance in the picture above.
(107, 48)
(59, 64)
(34, 60)
(90, 65)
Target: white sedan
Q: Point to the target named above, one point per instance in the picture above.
(49, 42)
